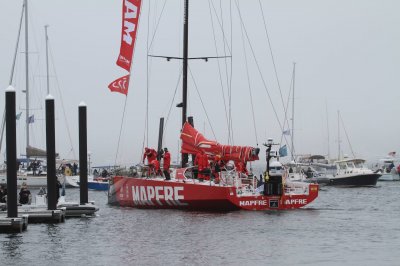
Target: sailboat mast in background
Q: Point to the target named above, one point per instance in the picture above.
(338, 133)
(26, 74)
(292, 133)
(47, 59)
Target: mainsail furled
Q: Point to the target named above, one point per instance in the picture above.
(194, 142)
(36, 152)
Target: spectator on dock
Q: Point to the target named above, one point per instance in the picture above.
(3, 194)
(25, 196)
(75, 169)
(34, 166)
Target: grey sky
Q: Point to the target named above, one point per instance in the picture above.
(346, 52)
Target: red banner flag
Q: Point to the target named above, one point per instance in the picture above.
(130, 19)
(120, 85)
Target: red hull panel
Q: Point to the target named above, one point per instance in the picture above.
(161, 194)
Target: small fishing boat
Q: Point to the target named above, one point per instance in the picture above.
(98, 183)
(387, 168)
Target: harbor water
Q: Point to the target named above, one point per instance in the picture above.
(344, 226)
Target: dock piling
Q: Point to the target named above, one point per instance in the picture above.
(11, 141)
(51, 155)
(83, 173)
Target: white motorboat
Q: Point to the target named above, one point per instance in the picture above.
(386, 167)
(351, 172)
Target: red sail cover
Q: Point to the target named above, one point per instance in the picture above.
(120, 85)
(130, 19)
(194, 142)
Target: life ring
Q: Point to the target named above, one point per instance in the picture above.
(67, 172)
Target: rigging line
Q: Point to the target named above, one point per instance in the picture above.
(3, 121)
(120, 131)
(147, 78)
(347, 136)
(172, 102)
(202, 103)
(158, 22)
(226, 68)
(229, 111)
(61, 99)
(286, 121)
(249, 85)
(220, 25)
(231, 66)
(219, 67)
(144, 139)
(16, 46)
(36, 69)
(259, 69)
(270, 50)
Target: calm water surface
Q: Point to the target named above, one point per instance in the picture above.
(344, 226)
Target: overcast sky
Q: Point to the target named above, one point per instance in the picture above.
(346, 52)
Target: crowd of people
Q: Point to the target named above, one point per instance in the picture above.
(25, 196)
(36, 167)
(205, 167)
(69, 169)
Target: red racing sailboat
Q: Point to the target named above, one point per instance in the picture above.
(228, 188)
(231, 190)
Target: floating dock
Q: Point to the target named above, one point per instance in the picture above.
(74, 209)
(39, 214)
(13, 225)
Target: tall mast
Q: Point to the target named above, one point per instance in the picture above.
(327, 128)
(185, 68)
(47, 60)
(338, 133)
(292, 133)
(26, 72)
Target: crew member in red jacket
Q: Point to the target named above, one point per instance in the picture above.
(203, 165)
(150, 154)
(155, 167)
(166, 164)
(241, 167)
